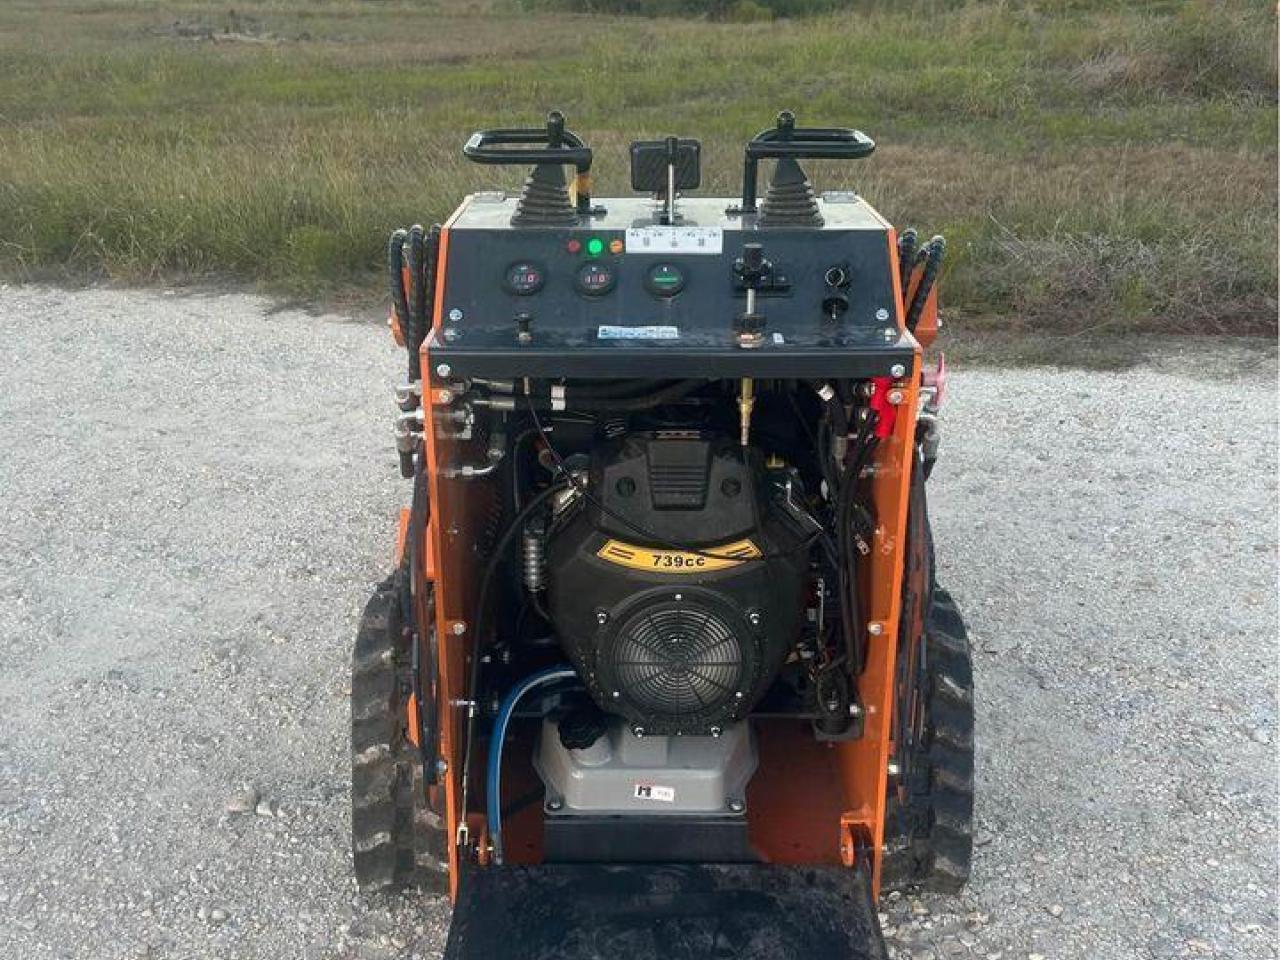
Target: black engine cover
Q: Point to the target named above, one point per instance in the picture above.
(677, 641)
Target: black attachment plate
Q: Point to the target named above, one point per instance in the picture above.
(649, 165)
(664, 912)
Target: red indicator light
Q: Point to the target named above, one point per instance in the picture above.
(573, 246)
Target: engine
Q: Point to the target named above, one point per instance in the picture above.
(678, 587)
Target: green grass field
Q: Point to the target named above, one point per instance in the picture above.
(1095, 165)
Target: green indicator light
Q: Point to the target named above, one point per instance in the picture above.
(595, 246)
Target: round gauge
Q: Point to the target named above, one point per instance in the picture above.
(664, 280)
(595, 279)
(523, 278)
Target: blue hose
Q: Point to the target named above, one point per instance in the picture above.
(493, 790)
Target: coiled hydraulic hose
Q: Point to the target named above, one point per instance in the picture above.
(399, 301)
(493, 784)
(931, 253)
(907, 242)
(415, 251)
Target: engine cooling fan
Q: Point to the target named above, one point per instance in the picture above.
(680, 660)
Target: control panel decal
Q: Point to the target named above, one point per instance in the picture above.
(607, 332)
(662, 239)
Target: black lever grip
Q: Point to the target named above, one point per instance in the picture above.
(502, 147)
(785, 139)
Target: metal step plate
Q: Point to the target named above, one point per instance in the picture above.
(594, 911)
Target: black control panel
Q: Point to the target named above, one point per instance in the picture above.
(621, 294)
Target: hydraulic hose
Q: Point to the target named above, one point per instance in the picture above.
(834, 405)
(428, 719)
(933, 253)
(399, 300)
(906, 257)
(493, 783)
(477, 624)
(416, 330)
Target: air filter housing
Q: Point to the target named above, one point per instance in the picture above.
(677, 641)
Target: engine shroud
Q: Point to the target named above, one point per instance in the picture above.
(676, 641)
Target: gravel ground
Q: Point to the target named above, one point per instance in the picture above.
(198, 493)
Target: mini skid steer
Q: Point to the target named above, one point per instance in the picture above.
(662, 670)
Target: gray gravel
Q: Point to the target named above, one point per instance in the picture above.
(199, 491)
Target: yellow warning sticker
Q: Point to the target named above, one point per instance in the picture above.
(678, 561)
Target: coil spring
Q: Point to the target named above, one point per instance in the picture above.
(534, 548)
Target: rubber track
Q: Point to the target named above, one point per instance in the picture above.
(395, 841)
(930, 840)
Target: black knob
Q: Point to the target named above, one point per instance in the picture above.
(752, 269)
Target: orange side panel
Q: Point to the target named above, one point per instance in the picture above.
(864, 762)
(459, 511)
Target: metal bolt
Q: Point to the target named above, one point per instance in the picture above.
(445, 396)
(459, 628)
(442, 767)
(555, 804)
(875, 628)
(638, 732)
(452, 333)
(602, 617)
(893, 768)
(737, 806)
(716, 731)
(754, 618)
(897, 370)
(891, 333)
(617, 694)
(895, 397)
(455, 314)
(679, 596)
(443, 370)
(738, 694)
(882, 314)
(855, 710)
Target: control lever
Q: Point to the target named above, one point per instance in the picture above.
(673, 154)
(752, 271)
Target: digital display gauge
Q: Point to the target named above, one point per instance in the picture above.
(524, 278)
(595, 279)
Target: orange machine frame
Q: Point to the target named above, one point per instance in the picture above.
(841, 809)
